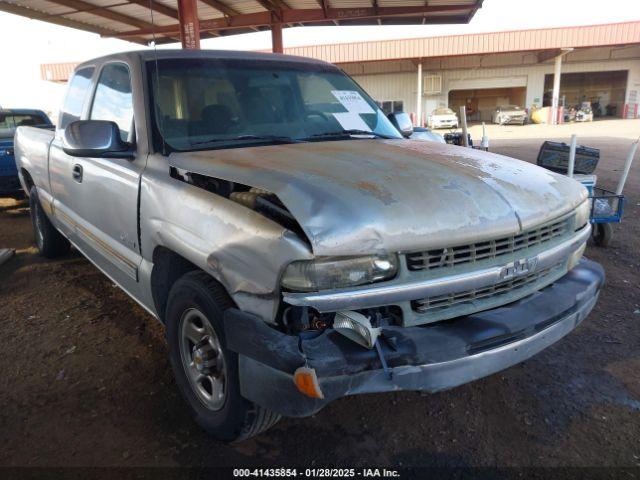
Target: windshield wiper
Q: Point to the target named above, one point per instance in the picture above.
(344, 133)
(269, 138)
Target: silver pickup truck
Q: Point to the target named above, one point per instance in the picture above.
(297, 248)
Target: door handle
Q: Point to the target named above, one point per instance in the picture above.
(77, 173)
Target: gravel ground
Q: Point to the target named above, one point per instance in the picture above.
(86, 382)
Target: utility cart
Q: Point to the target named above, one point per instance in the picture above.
(580, 162)
(606, 208)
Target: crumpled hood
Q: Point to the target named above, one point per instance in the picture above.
(363, 196)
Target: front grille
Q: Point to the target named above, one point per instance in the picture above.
(439, 302)
(475, 252)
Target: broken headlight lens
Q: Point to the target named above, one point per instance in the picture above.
(356, 327)
(583, 212)
(327, 273)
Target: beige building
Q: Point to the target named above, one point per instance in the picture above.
(598, 63)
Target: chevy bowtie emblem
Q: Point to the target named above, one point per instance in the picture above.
(518, 268)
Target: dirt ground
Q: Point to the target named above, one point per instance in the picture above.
(86, 382)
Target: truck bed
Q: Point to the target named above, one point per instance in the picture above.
(32, 153)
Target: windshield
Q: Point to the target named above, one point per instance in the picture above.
(510, 107)
(221, 103)
(443, 111)
(10, 121)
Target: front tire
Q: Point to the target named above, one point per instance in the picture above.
(205, 370)
(50, 242)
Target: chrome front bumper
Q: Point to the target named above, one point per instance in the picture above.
(390, 293)
(433, 358)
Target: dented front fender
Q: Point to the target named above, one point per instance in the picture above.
(240, 248)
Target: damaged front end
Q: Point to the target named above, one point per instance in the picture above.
(345, 286)
(426, 358)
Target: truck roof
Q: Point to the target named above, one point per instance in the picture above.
(146, 55)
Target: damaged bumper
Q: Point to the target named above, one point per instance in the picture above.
(429, 358)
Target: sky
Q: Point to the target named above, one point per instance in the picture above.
(38, 42)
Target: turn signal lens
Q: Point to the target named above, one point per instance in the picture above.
(356, 327)
(307, 382)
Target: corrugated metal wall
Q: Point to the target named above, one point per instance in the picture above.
(397, 80)
(474, 44)
(57, 72)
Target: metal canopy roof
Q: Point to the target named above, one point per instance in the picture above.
(547, 43)
(132, 19)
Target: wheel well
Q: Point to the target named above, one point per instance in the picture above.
(26, 176)
(168, 267)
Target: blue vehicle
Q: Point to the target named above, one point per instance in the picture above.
(10, 119)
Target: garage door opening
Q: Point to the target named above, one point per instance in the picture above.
(482, 102)
(605, 91)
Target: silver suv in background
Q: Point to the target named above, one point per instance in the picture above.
(509, 114)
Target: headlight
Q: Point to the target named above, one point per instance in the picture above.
(326, 273)
(582, 214)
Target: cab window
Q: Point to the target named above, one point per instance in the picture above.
(113, 100)
(77, 95)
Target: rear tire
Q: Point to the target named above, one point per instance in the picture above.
(50, 242)
(204, 367)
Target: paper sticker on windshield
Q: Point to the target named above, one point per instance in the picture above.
(351, 121)
(352, 101)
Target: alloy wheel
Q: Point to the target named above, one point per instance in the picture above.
(203, 359)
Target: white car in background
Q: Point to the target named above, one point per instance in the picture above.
(442, 118)
(509, 114)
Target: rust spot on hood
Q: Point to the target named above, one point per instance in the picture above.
(377, 191)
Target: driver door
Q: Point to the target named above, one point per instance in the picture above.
(104, 199)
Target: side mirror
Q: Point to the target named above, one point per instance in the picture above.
(95, 138)
(402, 122)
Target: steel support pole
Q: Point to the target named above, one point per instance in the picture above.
(627, 167)
(463, 121)
(555, 96)
(572, 156)
(276, 38)
(419, 97)
(189, 24)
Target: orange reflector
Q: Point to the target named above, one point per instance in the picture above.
(307, 382)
